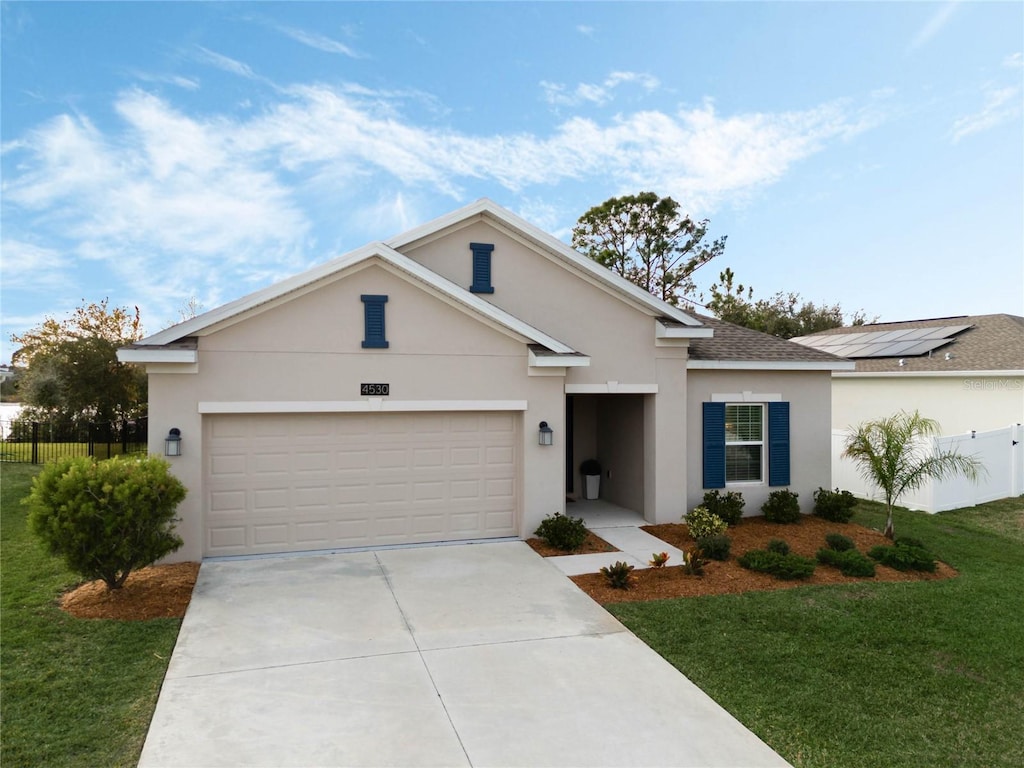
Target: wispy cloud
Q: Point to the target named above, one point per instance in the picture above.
(1014, 61)
(595, 93)
(933, 26)
(206, 56)
(319, 42)
(29, 267)
(586, 30)
(1001, 104)
(188, 83)
(201, 206)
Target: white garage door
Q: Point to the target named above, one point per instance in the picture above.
(293, 482)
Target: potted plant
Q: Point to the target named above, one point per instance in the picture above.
(591, 470)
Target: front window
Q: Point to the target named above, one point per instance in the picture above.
(744, 443)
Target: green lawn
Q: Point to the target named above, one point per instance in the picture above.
(75, 692)
(899, 674)
(21, 453)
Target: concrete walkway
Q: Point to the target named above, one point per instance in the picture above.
(467, 655)
(620, 527)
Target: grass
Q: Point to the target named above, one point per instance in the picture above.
(906, 674)
(75, 692)
(21, 453)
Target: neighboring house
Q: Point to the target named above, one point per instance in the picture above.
(965, 372)
(402, 393)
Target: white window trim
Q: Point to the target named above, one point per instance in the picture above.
(763, 442)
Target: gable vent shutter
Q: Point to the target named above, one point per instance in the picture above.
(714, 445)
(481, 267)
(373, 313)
(778, 444)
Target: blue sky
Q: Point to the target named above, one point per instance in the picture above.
(870, 154)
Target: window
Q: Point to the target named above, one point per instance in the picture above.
(737, 437)
(481, 267)
(374, 336)
(744, 443)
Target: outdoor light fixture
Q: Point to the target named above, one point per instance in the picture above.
(172, 443)
(546, 435)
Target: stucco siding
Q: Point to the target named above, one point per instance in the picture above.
(809, 395)
(959, 403)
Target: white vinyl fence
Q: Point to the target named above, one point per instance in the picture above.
(1000, 451)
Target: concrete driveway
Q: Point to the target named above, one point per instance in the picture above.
(467, 655)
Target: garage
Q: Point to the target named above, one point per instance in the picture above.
(311, 481)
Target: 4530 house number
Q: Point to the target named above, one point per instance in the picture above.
(376, 390)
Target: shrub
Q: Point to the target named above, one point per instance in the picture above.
(562, 531)
(835, 506)
(850, 562)
(728, 506)
(907, 541)
(106, 518)
(702, 523)
(778, 546)
(590, 467)
(838, 542)
(781, 507)
(658, 559)
(618, 574)
(715, 547)
(693, 563)
(788, 567)
(904, 558)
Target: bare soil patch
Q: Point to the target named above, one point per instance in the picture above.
(156, 592)
(728, 577)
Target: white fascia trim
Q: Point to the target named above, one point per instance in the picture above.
(746, 397)
(185, 356)
(674, 332)
(558, 361)
(370, 405)
(928, 374)
(550, 243)
(611, 388)
(765, 365)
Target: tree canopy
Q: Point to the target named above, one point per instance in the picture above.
(646, 239)
(785, 315)
(71, 371)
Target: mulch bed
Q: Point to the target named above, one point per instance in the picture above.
(722, 578)
(156, 592)
(164, 591)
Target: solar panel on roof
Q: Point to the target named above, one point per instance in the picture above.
(926, 346)
(945, 331)
(889, 336)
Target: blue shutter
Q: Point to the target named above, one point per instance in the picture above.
(373, 316)
(778, 443)
(481, 267)
(714, 445)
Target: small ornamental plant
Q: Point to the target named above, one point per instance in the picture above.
(838, 542)
(715, 547)
(781, 507)
(618, 574)
(728, 506)
(658, 559)
(693, 563)
(562, 532)
(701, 523)
(835, 506)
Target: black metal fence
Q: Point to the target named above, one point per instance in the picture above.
(35, 442)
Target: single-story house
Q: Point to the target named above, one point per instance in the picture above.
(447, 384)
(965, 372)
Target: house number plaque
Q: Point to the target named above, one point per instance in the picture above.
(375, 389)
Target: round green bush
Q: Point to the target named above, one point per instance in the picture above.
(562, 531)
(778, 546)
(728, 506)
(715, 547)
(835, 506)
(788, 567)
(106, 518)
(838, 542)
(781, 507)
(850, 562)
(701, 523)
(904, 558)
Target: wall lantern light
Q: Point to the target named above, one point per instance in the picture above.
(172, 443)
(546, 436)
